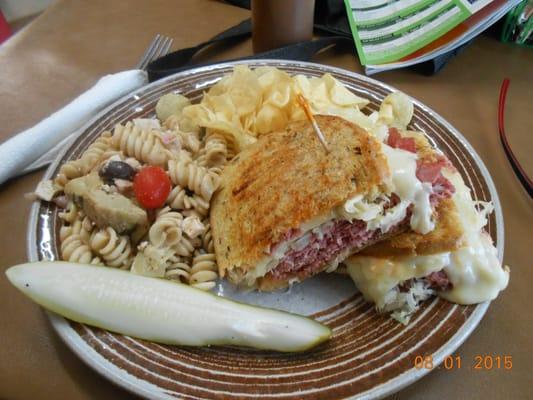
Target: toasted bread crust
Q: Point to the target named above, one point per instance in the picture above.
(285, 179)
(447, 236)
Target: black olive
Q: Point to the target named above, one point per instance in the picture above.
(117, 170)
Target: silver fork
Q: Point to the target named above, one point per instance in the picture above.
(158, 48)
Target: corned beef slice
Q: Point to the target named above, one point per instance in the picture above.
(398, 142)
(321, 249)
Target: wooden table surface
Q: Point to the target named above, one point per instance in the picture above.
(74, 42)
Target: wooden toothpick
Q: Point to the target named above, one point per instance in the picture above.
(307, 110)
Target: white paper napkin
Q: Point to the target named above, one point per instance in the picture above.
(38, 146)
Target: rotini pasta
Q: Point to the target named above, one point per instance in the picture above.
(216, 151)
(189, 140)
(182, 155)
(186, 246)
(82, 227)
(74, 249)
(193, 177)
(146, 146)
(178, 269)
(93, 154)
(71, 213)
(114, 249)
(74, 242)
(172, 122)
(203, 273)
(178, 199)
(166, 230)
(69, 170)
(192, 213)
(215, 170)
(88, 160)
(207, 238)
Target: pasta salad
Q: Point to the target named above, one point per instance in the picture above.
(106, 221)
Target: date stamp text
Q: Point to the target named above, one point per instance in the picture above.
(479, 363)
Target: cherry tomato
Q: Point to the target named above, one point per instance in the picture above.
(151, 186)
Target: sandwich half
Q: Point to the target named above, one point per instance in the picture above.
(456, 261)
(287, 209)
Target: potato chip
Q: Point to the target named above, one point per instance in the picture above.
(351, 114)
(248, 124)
(249, 103)
(340, 95)
(301, 84)
(222, 106)
(197, 113)
(319, 99)
(326, 95)
(244, 90)
(170, 104)
(396, 110)
(270, 118)
(276, 86)
(280, 98)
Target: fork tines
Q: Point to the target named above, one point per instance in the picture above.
(158, 48)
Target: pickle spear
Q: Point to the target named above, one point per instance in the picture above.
(160, 310)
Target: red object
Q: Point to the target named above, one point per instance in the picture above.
(431, 172)
(396, 140)
(515, 164)
(5, 30)
(425, 171)
(151, 186)
(428, 172)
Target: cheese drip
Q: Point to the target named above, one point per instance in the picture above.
(376, 278)
(474, 270)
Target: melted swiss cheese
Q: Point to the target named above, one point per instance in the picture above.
(474, 270)
(404, 183)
